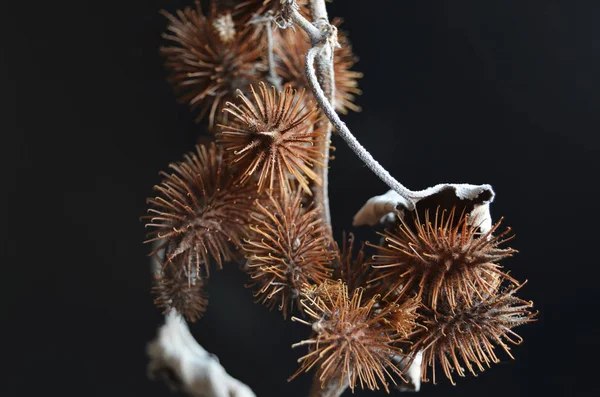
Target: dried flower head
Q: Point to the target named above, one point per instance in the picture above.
(198, 212)
(274, 136)
(207, 59)
(290, 51)
(468, 332)
(353, 340)
(443, 259)
(289, 246)
(174, 289)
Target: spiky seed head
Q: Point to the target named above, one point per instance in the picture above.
(441, 259)
(352, 339)
(465, 335)
(198, 212)
(290, 50)
(174, 289)
(273, 135)
(207, 60)
(288, 246)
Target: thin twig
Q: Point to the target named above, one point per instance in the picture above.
(345, 133)
(273, 77)
(267, 20)
(326, 77)
(323, 43)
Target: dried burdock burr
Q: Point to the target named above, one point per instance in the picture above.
(208, 58)
(173, 288)
(433, 293)
(441, 259)
(274, 135)
(465, 335)
(288, 246)
(353, 340)
(290, 51)
(198, 212)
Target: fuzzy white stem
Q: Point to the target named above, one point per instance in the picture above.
(175, 351)
(345, 133)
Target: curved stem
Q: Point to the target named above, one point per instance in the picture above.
(345, 133)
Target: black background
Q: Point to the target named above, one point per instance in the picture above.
(500, 92)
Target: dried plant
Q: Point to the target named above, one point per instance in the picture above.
(444, 258)
(208, 60)
(465, 334)
(174, 289)
(274, 136)
(258, 193)
(290, 49)
(353, 339)
(287, 248)
(199, 212)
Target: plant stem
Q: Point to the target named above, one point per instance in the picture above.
(325, 75)
(322, 48)
(273, 77)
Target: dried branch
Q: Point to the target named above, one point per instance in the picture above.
(197, 372)
(326, 79)
(324, 40)
(268, 20)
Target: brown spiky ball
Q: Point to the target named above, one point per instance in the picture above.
(208, 58)
(465, 335)
(288, 246)
(272, 135)
(441, 259)
(174, 289)
(199, 212)
(353, 339)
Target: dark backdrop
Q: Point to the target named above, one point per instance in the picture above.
(500, 92)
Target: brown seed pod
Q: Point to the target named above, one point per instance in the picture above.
(353, 339)
(273, 135)
(465, 335)
(444, 259)
(290, 51)
(288, 247)
(198, 212)
(173, 289)
(208, 60)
